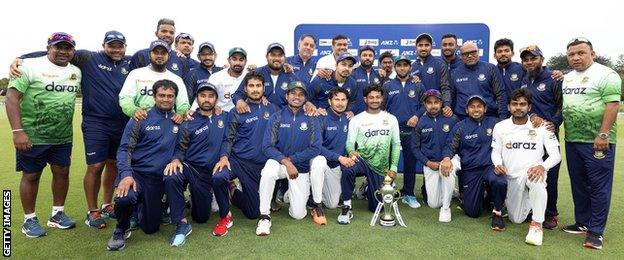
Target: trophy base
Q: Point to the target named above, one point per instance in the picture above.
(387, 223)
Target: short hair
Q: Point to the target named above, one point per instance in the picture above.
(165, 84)
(371, 88)
(520, 93)
(503, 42)
(165, 21)
(253, 75)
(336, 91)
(449, 35)
(339, 37)
(385, 54)
(307, 35)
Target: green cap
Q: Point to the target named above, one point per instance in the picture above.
(296, 84)
(237, 50)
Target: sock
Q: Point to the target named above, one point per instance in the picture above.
(497, 212)
(56, 209)
(29, 216)
(347, 203)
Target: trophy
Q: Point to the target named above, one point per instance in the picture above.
(389, 197)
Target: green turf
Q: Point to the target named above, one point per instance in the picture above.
(424, 236)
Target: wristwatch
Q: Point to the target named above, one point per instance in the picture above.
(603, 136)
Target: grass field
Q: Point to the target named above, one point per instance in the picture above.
(424, 236)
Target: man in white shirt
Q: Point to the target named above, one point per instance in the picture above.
(227, 81)
(517, 152)
(327, 64)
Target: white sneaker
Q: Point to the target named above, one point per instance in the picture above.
(264, 226)
(445, 215)
(535, 235)
(411, 201)
(345, 216)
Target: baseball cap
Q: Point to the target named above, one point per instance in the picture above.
(532, 49)
(366, 48)
(424, 36)
(112, 36)
(184, 36)
(59, 37)
(160, 43)
(207, 45)
(345, 55)
(296, 84)
(275, 45)
(431, 93)
(479, 97)
(237, 50)
(206, 86)
(402, 57)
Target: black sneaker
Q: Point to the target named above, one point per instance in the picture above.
(575, 229)
(551, 222)
(593, 241)
(497, 222)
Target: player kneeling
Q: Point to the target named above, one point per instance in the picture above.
(517, 151)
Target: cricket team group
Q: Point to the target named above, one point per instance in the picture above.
(298, 131)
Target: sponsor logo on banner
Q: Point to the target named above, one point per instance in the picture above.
(353, 52)
(395, 52)
(325, 52)
(408, 42)
(325, 42)
(436, 52)
(389, 42)
(371, 42)
(408, 53)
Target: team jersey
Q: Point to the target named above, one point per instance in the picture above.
(585, 95)
(48, 99)
(226, 86)
(377, 139)
(519, 147)
(136, 91)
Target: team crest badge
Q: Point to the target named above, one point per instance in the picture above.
(376, 80)
(304, 126)
(541, 87)
(411, 93)
(310, 72)
(523, 86)
(384, 122)
(488, 132)
(284, 86)
(446, 128)
(514, 77)
(124, 71)
(345, 128)
(174, 129)
(532, 134)
(220, 124)
(481, 77)
(174, 66)
(266, 115)
(73, 77)
(585, 80)
(430, 70)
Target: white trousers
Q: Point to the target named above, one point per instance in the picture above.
(298, 189)
(523, 196)
(325, 182)
(439, 187)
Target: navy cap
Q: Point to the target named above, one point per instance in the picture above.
(276, 45)
(431, 93)
(345, 55)
(160, 43)
(366, 48)
(402, 57)
(296, 84)
(479, 97)
(237, 50)
(59, 37)
(206, 86)
(424, 36)
(207, 45)
(112, 36)
(184, 36)
(532, 49)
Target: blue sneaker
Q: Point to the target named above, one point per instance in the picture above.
(134, 223)
(182, 231)
(108, 212)
(118, 240)
(32, 229)
(95, 220)
(411, 201)
(60, 220)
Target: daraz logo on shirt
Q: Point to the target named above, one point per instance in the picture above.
(574, 91)
(371, 133)
(61, 88)
(520, 145)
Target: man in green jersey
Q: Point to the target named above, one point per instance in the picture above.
(591, 99)
(40, 108)
(375, 133)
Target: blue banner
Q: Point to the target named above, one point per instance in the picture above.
(399, 39)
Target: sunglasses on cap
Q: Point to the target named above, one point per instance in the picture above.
(578, 40)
